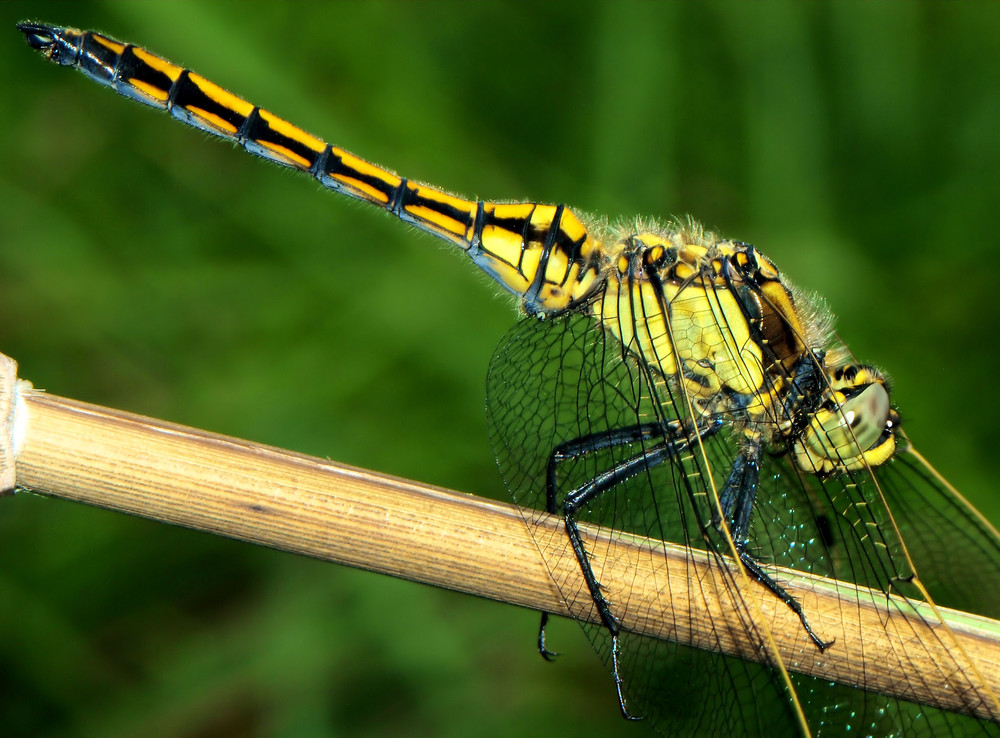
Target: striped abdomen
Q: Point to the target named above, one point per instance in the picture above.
(541, 253)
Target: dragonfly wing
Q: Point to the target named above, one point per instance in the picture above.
(955, 552)
(556, 381)
(852, 527)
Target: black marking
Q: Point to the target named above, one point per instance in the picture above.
(442, 208)
(335, 168)
(182, 79)
(531, 294)
(401, 197)
(190, 95)
(261, 132)
(130, 67)
(92, 57)
(476, 241)
(574, 255)
(319, 166)
(522, 225)
(526, 233)
(508, 224)
(248, 124)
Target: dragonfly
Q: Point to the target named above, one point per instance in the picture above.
(666, 383)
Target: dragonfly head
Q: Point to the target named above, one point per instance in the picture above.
(853, 428)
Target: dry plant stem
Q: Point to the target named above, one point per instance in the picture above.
(317, 508)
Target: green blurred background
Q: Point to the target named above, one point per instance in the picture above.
(145, 267)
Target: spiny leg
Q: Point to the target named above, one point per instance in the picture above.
(675, 440)
(736, 501)
(580, 447)
(598, 442)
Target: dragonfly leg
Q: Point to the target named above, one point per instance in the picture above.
(603, 482)
(618, 682)
(736, 501)
(675, 441)
(675, 438)
(542, 648)
(579, 447)
(596, 442)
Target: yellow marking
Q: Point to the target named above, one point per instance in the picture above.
(514, 210)
(365, 168)
(212, 120)
(692, 253)
(363, 188)
(767, 268)
(279, 125)
(582, 287)
(572, 227)
(557, 268)
(152, 91)
(543, 215)
(553, 297)
(531, 255)
(502, 245)
(221, 96)
(684, 270)
(108, 43)
(284, 154)
(432, 193)
(648, 240)
(709, 326)
(709, 335)
(633, 313)
(776, 294)
(159, 64)
(436, 219)
(590, 248)
(362, 167)
(514, 266)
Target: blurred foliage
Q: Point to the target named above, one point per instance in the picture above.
(147, 268)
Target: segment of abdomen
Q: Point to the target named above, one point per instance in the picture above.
(541, 253)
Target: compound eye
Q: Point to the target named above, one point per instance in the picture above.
(866, 414)
(844, 435)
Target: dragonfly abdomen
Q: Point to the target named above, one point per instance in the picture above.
(543, 254)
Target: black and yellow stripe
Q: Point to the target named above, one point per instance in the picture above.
(711, 314)
(541, 253)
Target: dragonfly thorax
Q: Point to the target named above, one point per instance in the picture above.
(712, 314)
(716, 319)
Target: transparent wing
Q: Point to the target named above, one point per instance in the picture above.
(955, 551)
(555, 382)
(886, 529)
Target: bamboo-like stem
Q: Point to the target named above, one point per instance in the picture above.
(238, 489)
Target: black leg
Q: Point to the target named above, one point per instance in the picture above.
(596, 442)
(736, 500)
(542, 648)
(578, 498)
(675, 440)
(580, 447)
